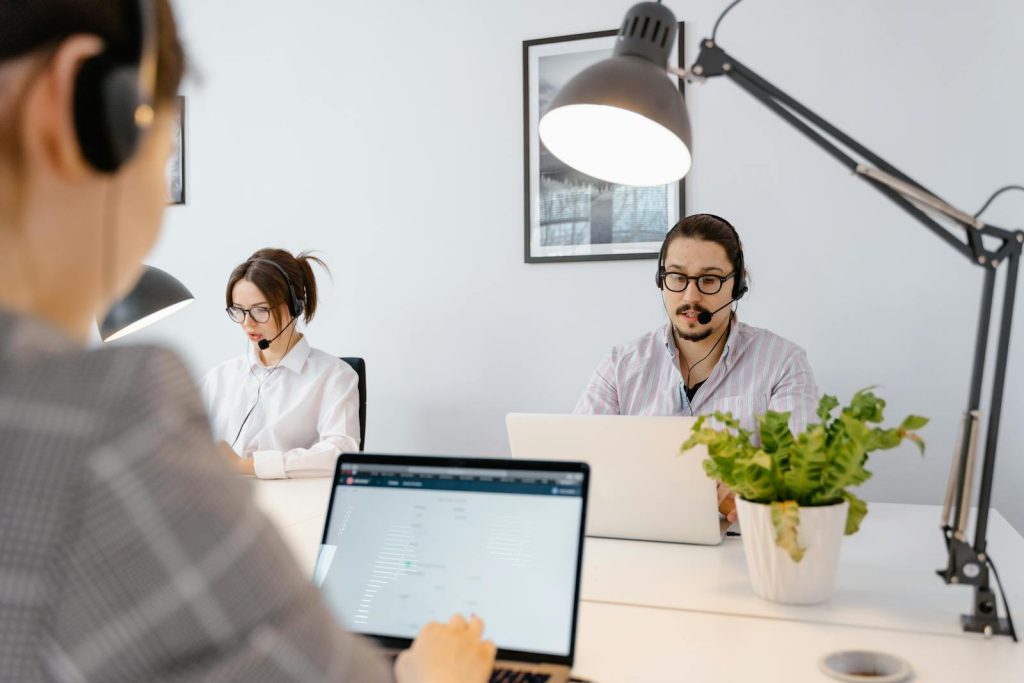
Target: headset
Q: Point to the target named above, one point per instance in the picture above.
(115, 92)
(739, 281)
(295, 304)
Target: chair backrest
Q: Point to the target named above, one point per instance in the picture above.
(359, 365)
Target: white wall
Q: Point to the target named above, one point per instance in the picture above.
(389, 136)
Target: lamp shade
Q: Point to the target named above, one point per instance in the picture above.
(623, 120)
(156, 295)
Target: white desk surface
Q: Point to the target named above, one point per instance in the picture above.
(623, 644)
(680, 611)
(886, 576)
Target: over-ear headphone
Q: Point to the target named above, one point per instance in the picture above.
(114, 93)
(295, 303)
(739, 280)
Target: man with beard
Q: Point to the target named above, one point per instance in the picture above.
(704, 360)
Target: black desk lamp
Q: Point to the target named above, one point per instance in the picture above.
(651, 130)
(156, 295)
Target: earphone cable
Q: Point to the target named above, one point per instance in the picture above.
(689, 368)
(259, 386)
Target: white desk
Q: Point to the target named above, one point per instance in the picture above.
(668, 612)
(623, 644)
(886, 575)
(298, 508)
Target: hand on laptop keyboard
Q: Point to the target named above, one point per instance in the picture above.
(447, 653)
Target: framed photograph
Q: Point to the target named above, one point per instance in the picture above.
(571, 216)
(176, 163)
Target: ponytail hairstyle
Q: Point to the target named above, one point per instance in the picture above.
(269, 281)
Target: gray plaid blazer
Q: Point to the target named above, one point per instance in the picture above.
(128, 552)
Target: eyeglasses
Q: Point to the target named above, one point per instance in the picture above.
(706, 284)
(259, 314)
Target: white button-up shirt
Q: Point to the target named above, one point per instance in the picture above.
(307, 413)
(758, 371)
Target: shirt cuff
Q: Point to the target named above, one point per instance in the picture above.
(269, 464)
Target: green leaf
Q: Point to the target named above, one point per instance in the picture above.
(825, 407)
(865, 406)
(845, 457)
(917, 440)
(858, 508)
(762, 459)
(786, 520)
(884, 439)
(727, 419)
(913, 422)
(774, 430)
(807, 462)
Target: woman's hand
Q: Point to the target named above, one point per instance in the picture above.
(447, 653)
(239, 464)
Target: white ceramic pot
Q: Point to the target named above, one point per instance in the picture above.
(773, 573)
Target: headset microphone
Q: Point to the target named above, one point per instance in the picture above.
(265, 344)
(704, 317)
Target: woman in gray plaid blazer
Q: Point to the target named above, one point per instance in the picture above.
(127, 550)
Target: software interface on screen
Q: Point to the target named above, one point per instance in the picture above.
(409, 544)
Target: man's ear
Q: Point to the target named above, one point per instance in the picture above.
(48, 115)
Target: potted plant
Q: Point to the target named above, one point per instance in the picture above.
(792, 494)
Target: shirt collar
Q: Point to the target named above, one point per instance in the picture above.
(668, 337)
(294, 360)
(735, 340)
(732, 341)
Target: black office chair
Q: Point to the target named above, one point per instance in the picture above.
(359, 365)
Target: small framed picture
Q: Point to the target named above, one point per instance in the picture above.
(176, 162)
(571, 216)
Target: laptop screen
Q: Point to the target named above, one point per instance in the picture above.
(406, 543)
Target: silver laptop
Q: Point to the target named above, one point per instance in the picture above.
(641, 487)
(411, 539)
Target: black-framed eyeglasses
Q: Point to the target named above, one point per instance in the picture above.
(259, 314)
(706, 284)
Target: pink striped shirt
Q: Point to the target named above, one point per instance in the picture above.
(758, 371)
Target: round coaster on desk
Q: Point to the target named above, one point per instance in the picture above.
(865, 666)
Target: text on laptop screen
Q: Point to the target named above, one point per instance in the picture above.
(407, 544)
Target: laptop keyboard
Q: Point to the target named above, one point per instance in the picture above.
(502, 675)
(510, 676)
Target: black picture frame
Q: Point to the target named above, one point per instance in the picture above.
(550, 185)
(176, 187)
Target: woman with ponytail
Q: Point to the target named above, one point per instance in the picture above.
(282, 409)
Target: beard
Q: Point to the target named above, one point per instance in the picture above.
(700, 335)
(697, 335)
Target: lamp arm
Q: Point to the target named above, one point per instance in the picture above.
(967, 564)
(903, 190)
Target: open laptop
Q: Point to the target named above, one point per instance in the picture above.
(414, 539)
(642, 487)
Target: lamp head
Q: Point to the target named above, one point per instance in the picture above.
(623, 119)
(156, 295)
